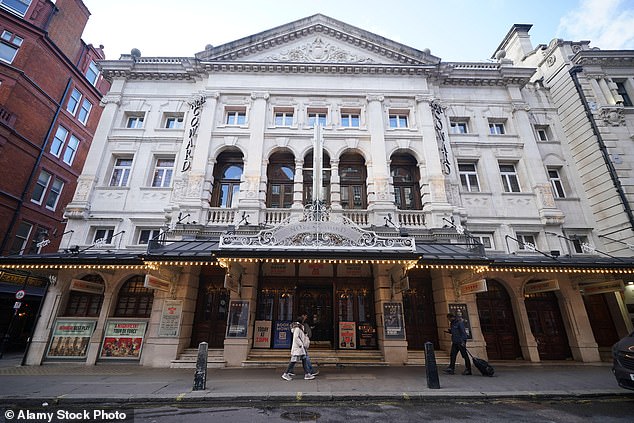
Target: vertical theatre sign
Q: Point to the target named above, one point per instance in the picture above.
(197, 106)
(438, 113)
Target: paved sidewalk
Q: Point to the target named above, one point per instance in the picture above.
(122, 383)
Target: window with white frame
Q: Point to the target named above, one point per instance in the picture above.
(103, 235)
(468, 177)
(147, 235)
(398, 118)
(9, 46)
(84, 111)
(284, 117)
(526, 242)
(317, 117)
(510, 182)
(41, 186)
(486, 240)
(22, 235)
(121, 172)
(350, 118)
(236, 117)
(92, 73)
(163, 171)
(71, 150)
(556, 182)
(134, 121)
(174, 122)
(622, 90)
(73, 101)
(59, 140)
(496, 128)
(54, 194)
(19, 7)
(543, 133)
(580, 244)
(459, 126)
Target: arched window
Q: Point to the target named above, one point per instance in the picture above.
(134, 299)
(405, 176)
(352, 175)
(308, 178)
(227, 175)
(280, 174)
(84, 303)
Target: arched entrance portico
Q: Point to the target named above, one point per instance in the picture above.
(547, 326)
(498, 322)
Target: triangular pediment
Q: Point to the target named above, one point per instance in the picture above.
(317, 39)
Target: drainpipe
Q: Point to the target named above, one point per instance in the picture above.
(14, 219)
(604, 151)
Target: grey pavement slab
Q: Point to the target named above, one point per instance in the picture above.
(73, 383)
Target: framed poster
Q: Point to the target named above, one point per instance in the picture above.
(171, 318)
(393, 321)
(70, 338)
(367, 336)
(347, 335)
(237, 327)
(262, 338)
(123, 340)
(462, 311)
(282, 337)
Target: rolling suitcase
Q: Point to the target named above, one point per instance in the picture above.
(482, 365)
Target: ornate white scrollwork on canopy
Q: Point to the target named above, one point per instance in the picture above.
(317, 229)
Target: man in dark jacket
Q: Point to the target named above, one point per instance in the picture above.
(458, 343)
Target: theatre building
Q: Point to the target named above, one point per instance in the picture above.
(319, 168)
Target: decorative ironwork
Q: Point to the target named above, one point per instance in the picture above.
(317, 228)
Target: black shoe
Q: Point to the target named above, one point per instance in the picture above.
(467, 372)
(449, 371)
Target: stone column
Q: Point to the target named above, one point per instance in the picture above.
(255, 186)
(96, 160)
(394, 350)
(298, 185)
(335, 186)
(191, 183)
(436, 204)
(380, 202)
(533, 165)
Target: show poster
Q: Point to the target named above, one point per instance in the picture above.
(262, 338)
(393, 321)
(171, 318)
(462, 311)
(282, 337)
(238, 319)
(347, 335)
(70, 338)
(123, 340)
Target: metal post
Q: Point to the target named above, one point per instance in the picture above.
(430, 367)
(200, 377)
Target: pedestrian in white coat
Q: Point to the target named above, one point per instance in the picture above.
(298, 350)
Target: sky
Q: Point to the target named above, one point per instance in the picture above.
(454, 30)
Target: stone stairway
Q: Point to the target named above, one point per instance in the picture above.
(187, 359)
(417, 358)
(319, 357)
(270, 358)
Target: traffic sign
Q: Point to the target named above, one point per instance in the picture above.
(20, 294)
(17, 305)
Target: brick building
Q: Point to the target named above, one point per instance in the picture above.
(50, 88)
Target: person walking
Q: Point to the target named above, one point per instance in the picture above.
(308, 331)
(298, 350)
(458, 343)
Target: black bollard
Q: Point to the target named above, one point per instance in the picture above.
(430, 367)
(200, 377)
